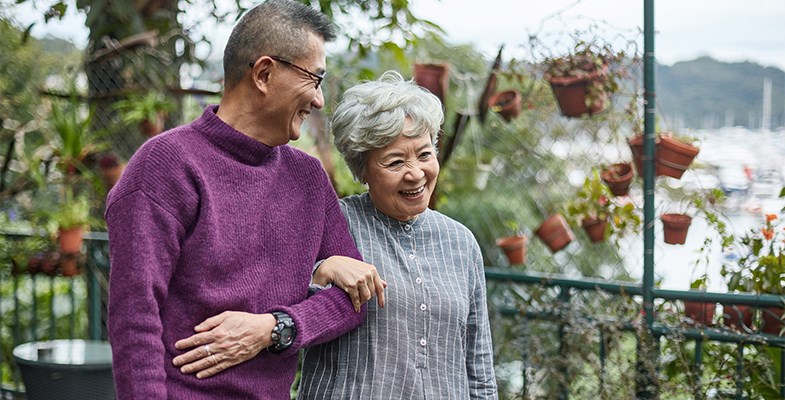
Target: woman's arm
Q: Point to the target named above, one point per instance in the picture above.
(360, 280)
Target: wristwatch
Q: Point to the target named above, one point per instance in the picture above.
(283, 333)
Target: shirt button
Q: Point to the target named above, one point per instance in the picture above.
(407, 227)
(423, 342)
(423, 307)
(412, 256)
(418, 280)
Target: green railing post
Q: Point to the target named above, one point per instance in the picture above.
(647, 385)
(697, 370)
(564, 300)
(740, 372)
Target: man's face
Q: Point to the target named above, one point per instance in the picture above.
(294, 92)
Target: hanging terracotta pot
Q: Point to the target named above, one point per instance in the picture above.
(111, 169)
(701, 313)
(737, 317)
(508, 104)
(571, 93)
(771, 317)
(595, 228)
(555, 232)
(636, 146)
(433, 77)
(674, 227)
(674, 156)
(618, 177)
(514, 248)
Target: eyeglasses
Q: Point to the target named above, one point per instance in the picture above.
(317, 79)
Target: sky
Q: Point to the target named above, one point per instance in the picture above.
(728, 30)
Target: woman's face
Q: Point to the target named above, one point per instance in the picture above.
(401, 177)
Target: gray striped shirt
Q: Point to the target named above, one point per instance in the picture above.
(432, 340)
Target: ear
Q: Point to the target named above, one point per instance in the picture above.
(261, 73)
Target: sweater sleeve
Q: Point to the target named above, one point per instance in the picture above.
(479, 347)
(144, 243)
(328, 313)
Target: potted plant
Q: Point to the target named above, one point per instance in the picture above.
(700, 312)
(674, 155)
(618, 177)
(761, 266)
(433, 77)
(69, 220)
(148, 110)
(507, 103)
(599, 214)
(514, 246)
(583, 79)
(555, 232)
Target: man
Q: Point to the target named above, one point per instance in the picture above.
(215, 226)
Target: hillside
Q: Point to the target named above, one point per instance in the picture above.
(706, 93)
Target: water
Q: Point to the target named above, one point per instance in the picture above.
(724, 154)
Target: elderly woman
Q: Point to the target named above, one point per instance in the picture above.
(433, 339)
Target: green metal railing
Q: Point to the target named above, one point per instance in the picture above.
(41, 307)
(567, 288)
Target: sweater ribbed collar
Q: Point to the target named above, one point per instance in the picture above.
(239, 145)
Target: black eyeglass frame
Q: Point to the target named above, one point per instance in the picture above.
(316, 78)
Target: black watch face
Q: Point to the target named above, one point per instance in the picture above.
(286, 336)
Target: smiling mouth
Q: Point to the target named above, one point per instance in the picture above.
(412, 193)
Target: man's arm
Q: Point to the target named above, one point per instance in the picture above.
(143, 242)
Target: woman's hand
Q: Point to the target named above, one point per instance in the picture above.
(360, 280)
(223, 341)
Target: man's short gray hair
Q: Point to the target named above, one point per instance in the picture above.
(372, 114)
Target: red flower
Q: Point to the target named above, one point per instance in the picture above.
(771, 217)
(767, 233)
(602, 201)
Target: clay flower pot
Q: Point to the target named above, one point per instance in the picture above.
(595, 228)
(771, 317)
(701, 313)
(514, 248)
(555, 232)
(508, 104)
(737, 317)
(618, 177)
(150, 128)
(674, 156)
(433, 77)
(675, 227)
(70, 239)
(571, 93)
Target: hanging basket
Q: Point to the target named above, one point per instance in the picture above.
(674, 227)
(571, 93)
(674, 156)
(514, 248)
(555, 232)
(508, 104)
(618, 177)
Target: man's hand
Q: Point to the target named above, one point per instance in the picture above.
(360, 280)
(223, 341)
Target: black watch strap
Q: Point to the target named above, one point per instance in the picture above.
(283, 332)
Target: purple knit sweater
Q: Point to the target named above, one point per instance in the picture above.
(205, 220)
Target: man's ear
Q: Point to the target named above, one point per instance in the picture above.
(261, 73)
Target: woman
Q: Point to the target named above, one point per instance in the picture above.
(432, 340)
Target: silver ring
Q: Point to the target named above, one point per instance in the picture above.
(214, 359)
(207, 349)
